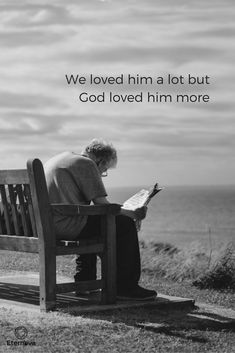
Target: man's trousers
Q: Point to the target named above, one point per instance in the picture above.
(128, 255)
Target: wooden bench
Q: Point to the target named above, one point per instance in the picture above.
(26, 225)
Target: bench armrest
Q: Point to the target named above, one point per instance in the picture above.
(86, 210)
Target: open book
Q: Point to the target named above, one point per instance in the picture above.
(141, 198)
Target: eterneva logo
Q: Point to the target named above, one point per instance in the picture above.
(21, 333)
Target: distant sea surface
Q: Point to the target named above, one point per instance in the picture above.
(185, 214)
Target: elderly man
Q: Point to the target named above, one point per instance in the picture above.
(76, 178)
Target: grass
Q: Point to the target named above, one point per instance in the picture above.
(122, 331)
(193, 264)
(221, 274)
(168, 269)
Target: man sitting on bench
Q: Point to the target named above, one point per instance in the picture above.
(74, 178)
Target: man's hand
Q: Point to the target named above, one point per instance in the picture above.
(140, 213)
(137, 214)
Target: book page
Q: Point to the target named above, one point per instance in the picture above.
(141, 198)
(137, 200)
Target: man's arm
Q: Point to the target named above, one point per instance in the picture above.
(138, 214)
(100, 200)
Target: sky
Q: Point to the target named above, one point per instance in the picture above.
(172, 143)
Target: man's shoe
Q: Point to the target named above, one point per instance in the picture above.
(136, 293)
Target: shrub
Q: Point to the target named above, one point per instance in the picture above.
(193, 264)
(221, 275)
(166, 260)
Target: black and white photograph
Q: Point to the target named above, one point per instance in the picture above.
(117, 176)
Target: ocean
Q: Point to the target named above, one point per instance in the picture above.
(182, 215)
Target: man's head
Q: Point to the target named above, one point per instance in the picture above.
(102, 153)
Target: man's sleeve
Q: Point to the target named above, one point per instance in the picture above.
(89, 180)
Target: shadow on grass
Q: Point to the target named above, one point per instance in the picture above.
(170, 321)
(175, 323)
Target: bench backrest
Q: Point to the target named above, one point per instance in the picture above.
(25, 207)
(16, 214)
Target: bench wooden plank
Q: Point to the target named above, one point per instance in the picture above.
(7, 216)
(28, 197)
(108, 259)
(23, 211)
(46, 234)
(78, 250)
(86, 210)
(2, 223)
(18, 243)
(80, 242)
(15, 214)
(79, 286)
(14, 176)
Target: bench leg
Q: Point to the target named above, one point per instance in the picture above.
(108, 258)
(47, 258)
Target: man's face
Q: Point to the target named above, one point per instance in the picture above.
(103, 168)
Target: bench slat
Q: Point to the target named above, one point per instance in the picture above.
(79, 286)
(18, 243)
(7, 216)
(15, 214)
(85, 249)
(30, 209)
(1, 222)
(14, 176)
(23, 211)
(72, 210)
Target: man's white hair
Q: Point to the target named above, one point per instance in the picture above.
(102, 150)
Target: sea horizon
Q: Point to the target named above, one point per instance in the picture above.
(186, 214)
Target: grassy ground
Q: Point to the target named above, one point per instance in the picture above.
(127, 330)
(208, 277)
(124, 331)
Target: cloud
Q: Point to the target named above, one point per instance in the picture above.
(134, 54)
(33, 38)
(24, 100)
(218, 33)
(35, 15)
(41, 116)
